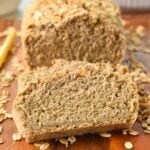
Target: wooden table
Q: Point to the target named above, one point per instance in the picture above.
(86, 142)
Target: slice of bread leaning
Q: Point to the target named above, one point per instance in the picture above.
(74, 98)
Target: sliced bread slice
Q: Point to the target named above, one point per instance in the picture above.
(74, 98)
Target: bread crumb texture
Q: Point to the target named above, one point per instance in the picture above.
(53, 100)
(88, 30)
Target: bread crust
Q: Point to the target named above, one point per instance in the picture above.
(31, 138)
(62, 66)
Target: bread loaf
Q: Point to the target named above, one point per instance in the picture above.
(88, 30)
(74, 98)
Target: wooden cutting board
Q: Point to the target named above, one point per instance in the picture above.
(86, 142)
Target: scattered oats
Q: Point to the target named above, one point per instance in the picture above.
(1, 141)
(63, 141)
(72, 139)
(135, 63)
(2, 111)
(44, 146)
(37, 144)
(143, 83)
(135, 39)
(2, 115)
(147, 131)
(132, 132)
(135, 42)
(146, 50)
(128, 145)
(16, 137)
(134, 48)
(140, 30)
(9, 115)
(3, 98)
(148, 121)
(124, 132)
(5, 93)
(106, 135)
(1, 129)
(5, 85)
(2, 118)
(6, 78)
(148, 128)
(3, 101)
(144, 125)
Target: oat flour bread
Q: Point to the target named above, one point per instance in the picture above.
(74, 98)
(88, 30)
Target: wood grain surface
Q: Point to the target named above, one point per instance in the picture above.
(86, 142)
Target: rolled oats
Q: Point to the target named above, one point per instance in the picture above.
(1, 141)
(44, 146)
(128, 145)
(144, 125)
(147, 131)
(1, 129)
(16, 137)
(140, 31)
(148, 128)
(2, 118)
(63, 141)
(148, 121)
(124, 132)
(106, 135)
(9, 115)
(71, 139)
(132, 132)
